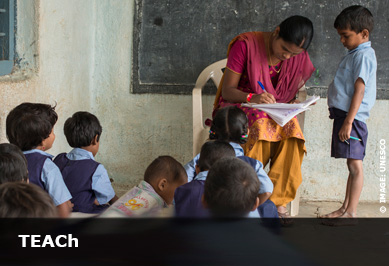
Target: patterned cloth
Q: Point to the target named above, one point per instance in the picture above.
(140, 201)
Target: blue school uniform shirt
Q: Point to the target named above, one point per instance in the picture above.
(101, 185)
(188, 199)
(265, 183)
(52, 180)
(361, 63)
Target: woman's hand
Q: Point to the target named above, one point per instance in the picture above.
(263, 98)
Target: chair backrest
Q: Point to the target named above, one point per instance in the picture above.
(214, 72)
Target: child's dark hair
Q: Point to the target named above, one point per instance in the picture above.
(213, 150)
(81, 129)
(297, 30)
(229, 124)
(231, 188)
(167, 167)
(28, 124)
(356, 18)
(13, 164)
(23, 200)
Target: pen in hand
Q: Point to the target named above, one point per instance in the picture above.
(263, 88)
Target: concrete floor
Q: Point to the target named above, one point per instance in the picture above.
(309, 209)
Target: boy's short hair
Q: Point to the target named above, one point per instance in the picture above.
(28, 124)
(167, 167)
(356, 18)
(213, 150)
(81, 129)
(231, 188)
(23, 200)
(13, 164)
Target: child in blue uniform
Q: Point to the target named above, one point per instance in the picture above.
(187, 197)
(350, 97)
(231, 124)
(30, 126)
(86, 179)
(231, 188)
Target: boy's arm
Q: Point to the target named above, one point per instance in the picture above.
(101, 186)
(264, 197)
(359, 91)
(190, 168)
(64, 209)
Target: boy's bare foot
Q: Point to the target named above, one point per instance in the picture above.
(334, 214)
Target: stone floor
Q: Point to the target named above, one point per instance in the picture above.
(310, 209)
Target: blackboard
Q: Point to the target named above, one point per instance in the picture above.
(174, 40)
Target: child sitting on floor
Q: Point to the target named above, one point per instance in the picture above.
(231, 124)
(30, 126)
(13, 164)
(86, 179)
(187, 198)
(231, 189)
(153, 195)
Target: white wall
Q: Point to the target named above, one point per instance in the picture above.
(78, 54)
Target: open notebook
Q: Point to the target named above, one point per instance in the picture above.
(282, 113)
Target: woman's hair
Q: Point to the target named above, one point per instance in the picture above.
(13, 164)
(167, 167)
(213, 150)
(23, 200)
(28, 124)
(356, 18)
(231, 188)
(297, 30)
(229, 124)
(81, 129)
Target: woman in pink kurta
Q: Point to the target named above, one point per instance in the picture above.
(280, 62)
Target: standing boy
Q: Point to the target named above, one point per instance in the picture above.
(350, 97)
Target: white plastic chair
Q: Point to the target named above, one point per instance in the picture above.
(200, 133)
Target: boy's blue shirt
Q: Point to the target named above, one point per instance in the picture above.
(361, 63)
(52, 179)
(266, 184)
(101, 185)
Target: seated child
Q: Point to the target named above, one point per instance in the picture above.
(22, 200)
(231, 124)
(153, 195)
(13, 164)
(231, 189)
(30, 126)
(86, 179)
(187, 198)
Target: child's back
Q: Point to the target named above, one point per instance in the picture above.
(187, 197)
(86, 179)
(30, 126)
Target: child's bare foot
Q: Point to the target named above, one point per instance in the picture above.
(334, 214)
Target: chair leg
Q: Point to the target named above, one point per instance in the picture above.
(295, 204)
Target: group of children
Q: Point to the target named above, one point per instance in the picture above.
(220, 181)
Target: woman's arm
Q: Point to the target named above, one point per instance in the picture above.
(231, 94)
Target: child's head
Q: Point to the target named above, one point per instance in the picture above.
(13, 164)
(231, 188)
(82, 130)
(30, 125)
(354, 25)
(23, 200)
(165, 174)
(230, 124)
(297, 30)
(211, 151)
